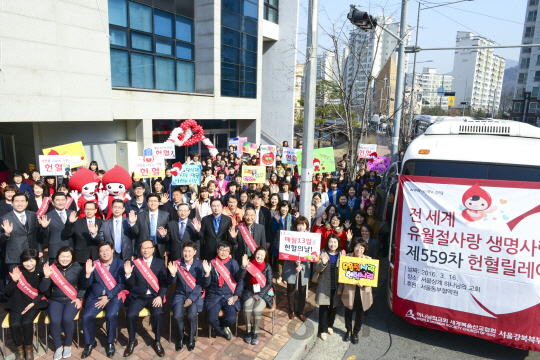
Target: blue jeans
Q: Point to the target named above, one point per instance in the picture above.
(62, 313)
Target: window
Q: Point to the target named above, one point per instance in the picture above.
(533, 106)
(271, 10)
(534, 93)
(522, 78)
(537, 76)
(531, 15)
(152, 48)
(517, 107)
(525, 63)
(529, 31)
(239, 47)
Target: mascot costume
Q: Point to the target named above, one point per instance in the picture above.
(116, 182)
(83, 186)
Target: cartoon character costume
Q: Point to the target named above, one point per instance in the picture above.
(477, 202)
(116, 182)
(83, 186)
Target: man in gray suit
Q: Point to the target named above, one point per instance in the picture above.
(19, 230)
(52, 234)
(181, 231)
(117, 231)
(257, 232)
(151, 224)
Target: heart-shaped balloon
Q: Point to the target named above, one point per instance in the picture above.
(189, 133)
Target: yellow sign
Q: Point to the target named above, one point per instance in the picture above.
(75, 150)
(353, 270)
(253, 174)
(451, 100)
(31, 167)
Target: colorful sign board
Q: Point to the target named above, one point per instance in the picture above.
(354, 270)
(301, 246)
(268, 155)
(189, 174)
(166, 150)
(253, 174)
(323, 160)
(75, 150)
(54, 165)
(149, 167)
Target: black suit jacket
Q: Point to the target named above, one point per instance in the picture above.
(20, 239)
(265, 219)
(239, 243)
(106, 233)
(169, 207)
(53, 235)
(176, 242)
(96, 284)
(85, 245)
(141, 230)
(208, 238)
(137, 285)
(33, 205)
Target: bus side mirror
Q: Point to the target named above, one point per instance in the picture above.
(388, 175)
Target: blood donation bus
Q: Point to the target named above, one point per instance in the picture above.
(463, 230)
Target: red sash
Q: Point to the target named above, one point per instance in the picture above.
(108, 279)
(26, 288)
(62, 283)
(224, 272)
(247, 237)
(188, 278)
(44, 206)
(148, 274)
(68, 202)
(257, 274)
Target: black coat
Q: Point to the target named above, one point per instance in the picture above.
(263, 294)
(265, 219)
(209, 239)
(53, 235)
(5, 208)
(131, 204)
(84, 244)
(214, 292)
(75, 274)
(17, 300)
(33, 205)
(141, 230)
(137, 285)
(183, 290)
(239, 243)
(96, 284)
(20, 239)
(175, 242)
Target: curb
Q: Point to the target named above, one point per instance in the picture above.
(302, 341)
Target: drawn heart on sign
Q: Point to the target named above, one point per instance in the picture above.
(177, 167)
(372, 157)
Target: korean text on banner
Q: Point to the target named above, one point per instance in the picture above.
(190, 174)
(302, 246)
(465, 257)
(323, 160)
(75, 150)
(289, 156)
(237, 143)
(354, 270)
(268, 155)
(165, 150)
(365, 150)
(150, 166)
(253, 174)
(54, 165)
(250, 148)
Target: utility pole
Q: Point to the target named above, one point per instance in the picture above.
(400, 79)
(309, 112)
(411, 109)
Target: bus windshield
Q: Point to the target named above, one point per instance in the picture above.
(464, 170)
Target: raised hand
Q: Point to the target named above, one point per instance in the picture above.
(90, 267)
(245, 260)
(196, 225)
(3, 185)
(102, 195)
(325, 258)
(75, 195)
(72, 217)
(7, 226)
(349, 235)
(25, 175)
(172, 268)
(16, 274)
(43, 221)
(132, 217)
(128, 268)
(193, 196)
(347, 224)
(162, 231)
(47, 271)
(164, 198)
(207, 267)
(93, 228)
(232, 231)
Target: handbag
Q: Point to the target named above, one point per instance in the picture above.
(315, 277)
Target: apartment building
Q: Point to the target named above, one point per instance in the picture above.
(431, 85)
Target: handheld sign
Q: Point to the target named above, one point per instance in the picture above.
(149, 166)
(165, 150)
(190, 174)
(253, 174)
(289, 156)
(54, 165)
(365, 150)
(268, 155)
(353, 270)
(302, 246)
(323, 160)
(250, 148)
(75, 150)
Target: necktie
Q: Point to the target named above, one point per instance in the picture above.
(23, 219)
(182, 229)
(118, 238)
(153, 228)
(248, 251)
(216, 224)
(63, 217)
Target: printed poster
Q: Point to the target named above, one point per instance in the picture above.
(166, 150)
(54, 165)
(237, 143)
(250, 148)
(365, 150)
(189, 174)
(268, 155)
(354, 270)
(323, 160)
(289, 156)
(379, 164)
(253, 174)
(149, 167)
(467, 258)
(302, 246)
(75, 150)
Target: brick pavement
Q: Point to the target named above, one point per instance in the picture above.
(206, 348)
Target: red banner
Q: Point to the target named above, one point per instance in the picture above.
(257, 274)
(189, 279)
(62, 283)
(28, 289)
(69, 200)
(108, 279)
(148, 274)
(44, 206)
(224, 272)
(250, 242)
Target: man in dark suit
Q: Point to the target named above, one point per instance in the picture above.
(181, 231)
(263, 216)
(151, 224)
(52, 235)
(103, 296)
(117, 231)
(214, 229)
(144, 293)
(20, 231)
(84, 233)
(172, 206)
(240, 244)
(137, 202)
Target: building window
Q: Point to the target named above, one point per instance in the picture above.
(152, 48)
(533, 2)
(524, 63)
(537, 76)
(239, 30)
(529, 31)
(517, 107)
(522, 78)
(271, 10)
(531, 15)
(534, 93)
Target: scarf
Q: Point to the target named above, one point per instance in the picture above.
(351, 202)
(260, 266)
(221, 278)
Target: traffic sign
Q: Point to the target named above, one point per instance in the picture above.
(440, 91)
(451, 100)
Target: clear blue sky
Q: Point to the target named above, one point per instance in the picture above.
(438, 27)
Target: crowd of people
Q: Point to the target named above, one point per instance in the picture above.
(216, 243)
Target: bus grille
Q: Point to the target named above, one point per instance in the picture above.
(484, 129)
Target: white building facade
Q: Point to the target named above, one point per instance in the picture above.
(430, 82)
(477, 74)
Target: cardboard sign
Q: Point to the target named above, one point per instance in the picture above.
(54, 165)
(465, 257)
(302, 246)
(253, 174)
(289, 156)
(353, 270)
(268, 155)
(75, 150)
(165, 150)
(149, 167)
(323, 160)
(379, 164)
(237, 143)
(249, 148)
(190, 174)
(365, 150)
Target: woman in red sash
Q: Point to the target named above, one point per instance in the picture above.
(36, 201)
(257, 293)
(63, 279)
(25, 302)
